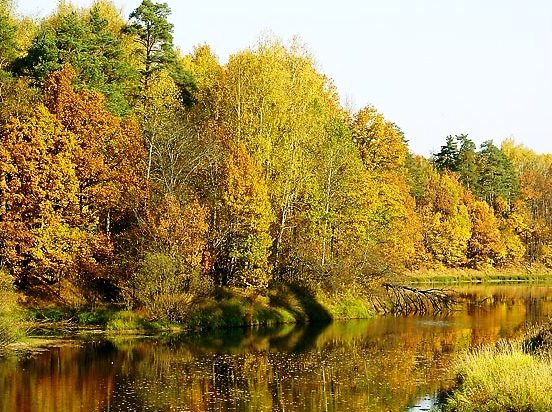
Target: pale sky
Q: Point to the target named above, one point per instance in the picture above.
(434, 67)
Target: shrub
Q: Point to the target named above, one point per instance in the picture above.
(100, 317)
(166, 288)
(50, 315)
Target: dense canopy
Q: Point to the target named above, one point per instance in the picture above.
(128, 166)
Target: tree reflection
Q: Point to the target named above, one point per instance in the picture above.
(380, 364)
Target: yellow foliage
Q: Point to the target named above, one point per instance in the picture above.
(38, 184)
(380, 142)
(243, 224)
(445, 219)
(486, 244)
(177, 230)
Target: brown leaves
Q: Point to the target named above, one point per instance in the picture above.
(67, 176)
(177, 229)
(37, 181)
(110, 154)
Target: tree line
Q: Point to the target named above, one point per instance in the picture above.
(132, 171)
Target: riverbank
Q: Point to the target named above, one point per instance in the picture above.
(447, 276)
(228, 308)
(511, 375)
(394, 363)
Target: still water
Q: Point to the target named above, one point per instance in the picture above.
(382, 364)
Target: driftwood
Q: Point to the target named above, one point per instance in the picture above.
(407, 300)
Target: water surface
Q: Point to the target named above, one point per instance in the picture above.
(382, 364)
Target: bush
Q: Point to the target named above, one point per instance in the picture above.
(349, 307)
(50, 315)
(166, 288)
(539, 340)
(237, 311)
(100, 317)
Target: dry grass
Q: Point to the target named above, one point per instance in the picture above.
(503, 378)
(533, 273)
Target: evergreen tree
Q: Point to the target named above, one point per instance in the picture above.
(497, 176)
(467, 162)
(154, 33)
(447, 158)
(92, 48)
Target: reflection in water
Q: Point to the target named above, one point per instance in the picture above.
(386, 364)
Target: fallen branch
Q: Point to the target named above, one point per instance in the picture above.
(408, 300)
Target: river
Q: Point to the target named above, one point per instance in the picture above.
(382, 364)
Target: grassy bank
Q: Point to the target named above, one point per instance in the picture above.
(510, 376)
(448, 276)
(11, 325)
(226, 309)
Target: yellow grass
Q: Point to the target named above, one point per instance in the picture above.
(503, 378)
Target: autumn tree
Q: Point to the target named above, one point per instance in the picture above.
(332, 230)
(485, 246)
(531, 212)
(170, 274)
(8, 45)
(241, 240)
(380, 143)
(109, 154)
(514, 226)
(108, 158)
(445, 219)
(153, 33)
(383, 151)
(41, 236)
(275, 102)
(93, 43)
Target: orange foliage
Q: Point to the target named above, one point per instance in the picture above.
(109, 155)
(38, 185)
(67, 176)
(177, 230)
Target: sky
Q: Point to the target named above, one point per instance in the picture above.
(433, 67)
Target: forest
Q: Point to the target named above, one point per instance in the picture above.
(134, 172)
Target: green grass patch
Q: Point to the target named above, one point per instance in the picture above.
(56, 315)
(11, 325)
(347, 307)
(48, 315)
(130, 321)
(502, 378)
(95, 318)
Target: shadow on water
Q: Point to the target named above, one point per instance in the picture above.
(381, 364)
